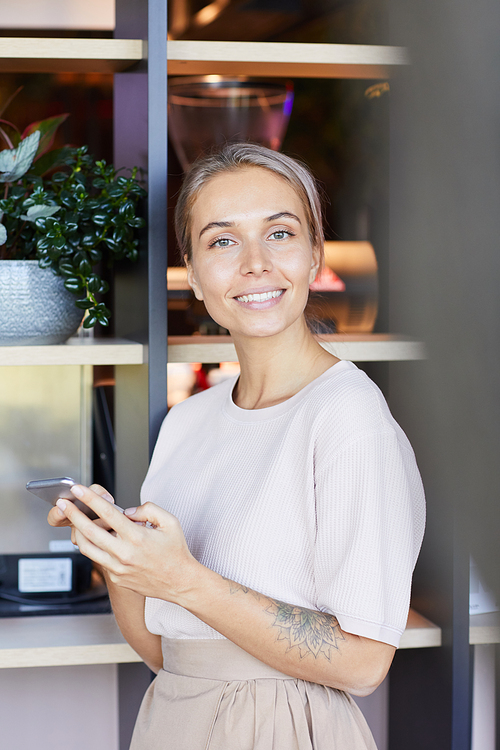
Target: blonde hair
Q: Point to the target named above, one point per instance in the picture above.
(235, 156)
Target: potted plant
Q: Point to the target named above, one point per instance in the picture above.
(63, 217)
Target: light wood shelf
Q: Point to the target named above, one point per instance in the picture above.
(62, 641)
(96, 639)
(355, 347)
(53, 55)
(46, 55)
(484, 628)
(284, 59)
(76, 352)
(420, 632)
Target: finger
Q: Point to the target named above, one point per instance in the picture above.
(104, 509)
(102, 492)
(88, 529)
(56, 517)
(92, 551)
(152, 514)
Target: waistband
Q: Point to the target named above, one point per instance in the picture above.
(214, 659)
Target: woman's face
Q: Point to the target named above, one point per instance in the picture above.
(252, 259)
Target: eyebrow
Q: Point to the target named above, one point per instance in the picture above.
(213, 224)
(225, 224)
(282, 214)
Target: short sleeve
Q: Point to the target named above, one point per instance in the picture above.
(370, 512)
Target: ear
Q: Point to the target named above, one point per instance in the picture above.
(192, 279)
(315, 264)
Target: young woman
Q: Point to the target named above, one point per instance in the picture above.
(285, 506)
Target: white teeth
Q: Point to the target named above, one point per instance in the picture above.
(260, 297)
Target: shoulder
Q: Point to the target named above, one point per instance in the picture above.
(347, 406)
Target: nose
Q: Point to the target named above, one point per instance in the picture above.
(255, 259)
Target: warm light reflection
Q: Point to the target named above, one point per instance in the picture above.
(210, 12)
(184, 379)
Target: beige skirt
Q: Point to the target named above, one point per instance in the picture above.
(212, 695)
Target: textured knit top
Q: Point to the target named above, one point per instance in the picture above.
(316, 501)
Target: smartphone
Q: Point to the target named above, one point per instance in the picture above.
(51, 490)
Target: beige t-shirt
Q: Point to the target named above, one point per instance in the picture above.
(316, 501)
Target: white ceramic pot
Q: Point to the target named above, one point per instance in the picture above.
(35, 307)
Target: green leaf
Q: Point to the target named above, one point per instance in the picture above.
(52, 159)
(59, 242)
(74, 241)
(136, 223)
(16, 161)
(100, 218)
(73, 284)
(54, 253)
(102, 309)
(111, 244)
(85, 268)
(95, 255)
(90, 321)
(44, 243)
(59, 177)
(66, 268)
(79, 257)
(119, 234)
(39, 212)
(84, 304)
(94, 283)
(89, 239)
(47, 129)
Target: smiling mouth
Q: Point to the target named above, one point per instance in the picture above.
(263, 297)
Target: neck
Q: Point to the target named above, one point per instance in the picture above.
(275, 368)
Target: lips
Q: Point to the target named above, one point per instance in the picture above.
(260, 296)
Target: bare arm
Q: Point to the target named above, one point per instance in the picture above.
(128, 608)
(156, 562)
(300, 642)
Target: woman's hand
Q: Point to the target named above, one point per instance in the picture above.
(58, 519)
(152, 560)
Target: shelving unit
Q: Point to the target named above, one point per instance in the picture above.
(357, 348)
(96, 639)
(43, 55)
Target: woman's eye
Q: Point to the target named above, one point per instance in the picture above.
(221, 242)
(280, 234)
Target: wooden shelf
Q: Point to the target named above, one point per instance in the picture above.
(484, 628)
(355, 347)
(45, 55)
(96, 639)
(62, 641)
(284, 59)
(420, 632)
(76, 352)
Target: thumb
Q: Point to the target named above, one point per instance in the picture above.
(149, 514)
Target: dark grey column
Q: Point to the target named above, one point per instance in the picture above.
(157, 214)
(140, 139)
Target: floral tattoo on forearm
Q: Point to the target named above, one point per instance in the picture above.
(310, 631)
